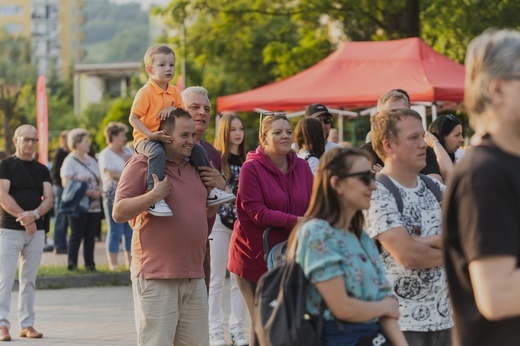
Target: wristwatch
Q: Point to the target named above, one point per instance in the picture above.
(36, 214)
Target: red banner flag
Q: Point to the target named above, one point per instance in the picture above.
(42, 120)
(180, 83)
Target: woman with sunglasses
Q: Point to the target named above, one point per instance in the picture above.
(445, 137)
(273, 191)
(309, 139)
(341, 260)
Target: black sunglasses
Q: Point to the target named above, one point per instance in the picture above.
(451, 117)
(326, 120)
(367, 177)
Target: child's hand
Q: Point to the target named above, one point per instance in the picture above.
(160, 136)
(165, 113)
(161, 188)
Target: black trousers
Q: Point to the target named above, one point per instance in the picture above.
(84, 228)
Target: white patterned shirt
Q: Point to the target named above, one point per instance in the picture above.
(424, 303)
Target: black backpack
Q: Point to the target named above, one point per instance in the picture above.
(387, 182)
(279, 314)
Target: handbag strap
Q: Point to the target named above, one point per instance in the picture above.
(88, 169)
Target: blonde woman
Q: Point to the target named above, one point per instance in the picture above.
(79, 166)
(231, 144)
(112, 160)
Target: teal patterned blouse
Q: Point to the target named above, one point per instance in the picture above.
(325, 252)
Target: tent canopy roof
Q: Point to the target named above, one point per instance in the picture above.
(356, 75)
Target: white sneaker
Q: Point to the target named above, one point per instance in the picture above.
(217, 196)
(239, 339)
(160, 209)
(217, 339)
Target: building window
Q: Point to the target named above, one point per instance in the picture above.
(13, 28)
(10, 10)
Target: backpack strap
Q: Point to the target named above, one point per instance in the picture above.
(432, 186)
(311, 155)
(388, 183)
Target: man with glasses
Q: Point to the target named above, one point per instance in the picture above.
(410, 237)
(25, 196)
(321, 113)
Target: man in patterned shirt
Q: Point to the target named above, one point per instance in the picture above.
(411, 239)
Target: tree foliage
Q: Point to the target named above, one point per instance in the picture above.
(237, 45)
(16, 71)
(119, 111)
(114, 32)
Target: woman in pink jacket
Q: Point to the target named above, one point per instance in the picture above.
(273, 191)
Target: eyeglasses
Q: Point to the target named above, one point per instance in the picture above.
(325, 120)
(367, 177)
(270, 114)
(28, 139)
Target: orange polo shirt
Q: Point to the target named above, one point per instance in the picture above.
(149, 101)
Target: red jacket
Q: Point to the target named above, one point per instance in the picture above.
(266, 197)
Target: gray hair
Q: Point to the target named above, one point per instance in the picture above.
(75, 136)
(392, 95)
(186, 94)
(494, 53)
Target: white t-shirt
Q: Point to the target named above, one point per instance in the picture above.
(109, 160)
(74, 170)
(313, 161)
(329, 145)
(423, 296)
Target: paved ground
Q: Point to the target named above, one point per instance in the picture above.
(85, 316)
(100, 257)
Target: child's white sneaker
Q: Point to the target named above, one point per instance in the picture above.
(217, 196)
(160, 209)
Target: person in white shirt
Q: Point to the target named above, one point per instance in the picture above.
(411, 238)
(111, 162)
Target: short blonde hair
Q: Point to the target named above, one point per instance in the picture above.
(384, 126)
(75, 136)
(114, 128)
(392, 95)
(152, 51)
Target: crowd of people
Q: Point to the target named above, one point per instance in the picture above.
(405, 241)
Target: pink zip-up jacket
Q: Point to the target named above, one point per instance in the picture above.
(266, 197)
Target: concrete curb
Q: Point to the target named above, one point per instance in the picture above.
(86, 280)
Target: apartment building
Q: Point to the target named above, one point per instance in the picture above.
(54, 28)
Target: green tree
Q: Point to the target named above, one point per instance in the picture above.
(16, 71)
(119, 111)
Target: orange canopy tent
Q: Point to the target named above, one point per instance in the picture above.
(356, 75)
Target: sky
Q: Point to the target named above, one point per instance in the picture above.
(144, 3)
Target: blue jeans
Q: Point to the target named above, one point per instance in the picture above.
(340, 333)
(116, 231)
(61, 222)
